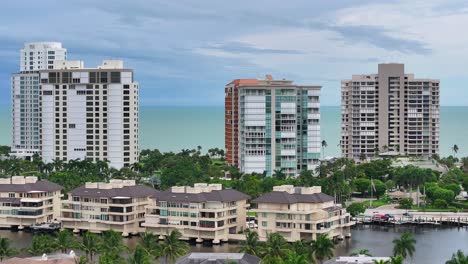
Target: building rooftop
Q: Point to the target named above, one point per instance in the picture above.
(27, 184)
(201, 192)
(288, 194)
(115, 188)
(360, 259)
(215, 258)
(288, 198)
(45, 259)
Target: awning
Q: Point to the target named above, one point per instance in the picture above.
(31, 200)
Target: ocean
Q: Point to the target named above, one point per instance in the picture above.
(172, 128)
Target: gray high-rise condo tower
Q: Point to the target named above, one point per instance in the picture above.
(389, 113)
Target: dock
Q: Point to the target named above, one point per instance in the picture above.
(411, 217)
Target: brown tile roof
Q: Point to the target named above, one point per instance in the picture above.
(17, 260)
(218, 258)
(43, 186)
(10, 200)
(227, 195)
(135, 191)
(288, 198)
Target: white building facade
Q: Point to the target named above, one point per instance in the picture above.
(36, 56)
(279, 127)
(25, 95)
(89, 113)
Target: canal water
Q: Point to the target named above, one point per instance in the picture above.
(434, 244)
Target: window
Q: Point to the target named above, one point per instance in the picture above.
(264, 215)
(264, 224)
(115, 77)
(71, 126)
(11, 195)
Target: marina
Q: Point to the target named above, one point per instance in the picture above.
(402, 217)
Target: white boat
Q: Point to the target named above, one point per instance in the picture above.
(45, 227)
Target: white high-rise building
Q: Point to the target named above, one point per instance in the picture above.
(41, 55)
(89, 113)
(25, 95)
(279, 126)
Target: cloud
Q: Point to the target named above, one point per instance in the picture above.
(379, 37)
(239, 47)
(185, 51)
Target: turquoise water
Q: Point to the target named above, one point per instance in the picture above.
(176, 128)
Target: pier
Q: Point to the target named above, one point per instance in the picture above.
(411, 217)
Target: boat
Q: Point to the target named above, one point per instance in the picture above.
(45, 227)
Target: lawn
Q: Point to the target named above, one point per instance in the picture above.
(252, 214)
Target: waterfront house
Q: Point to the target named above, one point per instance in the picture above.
(359, 259)
(300, 213)
(118, 205)
(26, 201)
(218, 258)
(202, 212)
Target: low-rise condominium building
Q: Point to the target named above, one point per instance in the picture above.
(26, 201)
(118, 205)
(202, 212)
(300, 213)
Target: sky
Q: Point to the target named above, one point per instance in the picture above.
(184, 52)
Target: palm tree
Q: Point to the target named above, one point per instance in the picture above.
(458, 258)
(322, 248)
(455, 149)
(149, 242)
(172, 247)
(57, 164)
(275, 247)
(90, 245)
(404, 246)
(41, 244)
(279, 174)
(111, 258)
(362, 157)
(294, 258)
(376, 151)
(396, 260)
(139, 256)
(251, 245)
(364, 252)
(302, 247)
(6, 250)
(81, 260)
(385, 148)
(380, 261)
(324, 145)
(65, 241)
(112, 242)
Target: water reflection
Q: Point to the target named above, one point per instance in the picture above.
(434, 245)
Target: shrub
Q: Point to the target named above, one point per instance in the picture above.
(440, 204)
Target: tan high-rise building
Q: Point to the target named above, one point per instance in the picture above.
(389, 112)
